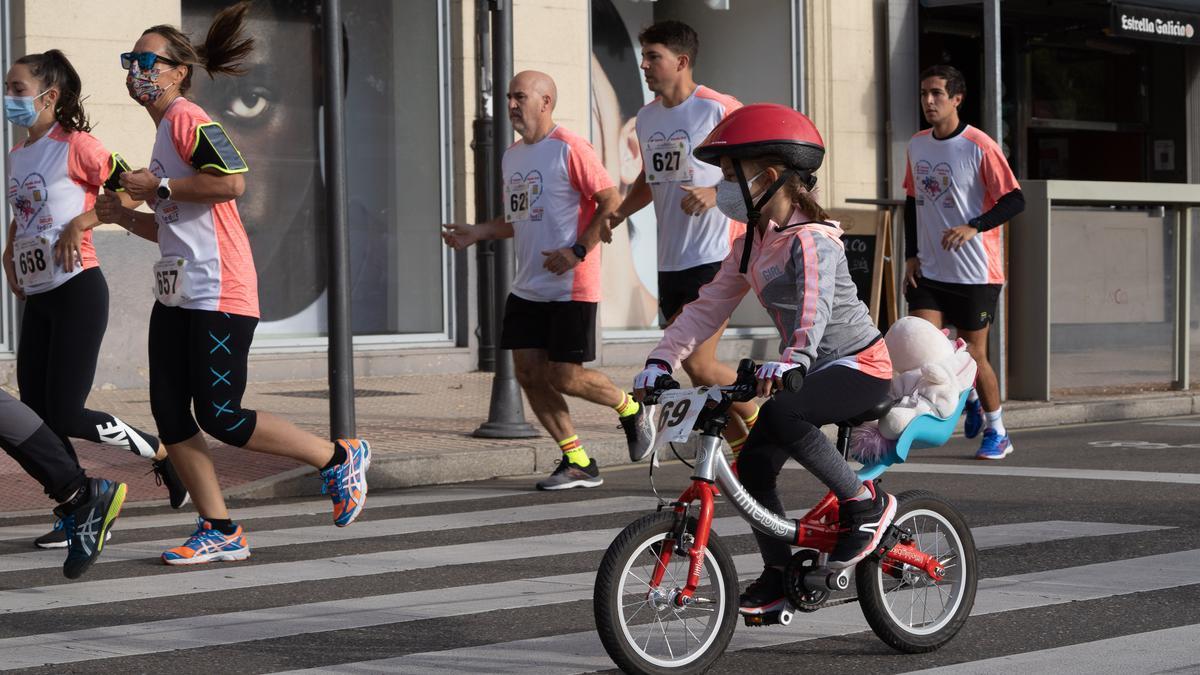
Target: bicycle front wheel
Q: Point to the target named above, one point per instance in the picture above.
(640, 624)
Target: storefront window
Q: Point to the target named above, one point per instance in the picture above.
(393, 102)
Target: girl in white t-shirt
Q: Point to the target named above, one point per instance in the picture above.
(53, 178)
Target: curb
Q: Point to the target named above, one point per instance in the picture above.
(535, 461)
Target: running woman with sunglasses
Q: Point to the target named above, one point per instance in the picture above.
(206, 287)
(54, 176)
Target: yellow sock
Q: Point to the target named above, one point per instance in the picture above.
(749, 421)
(736, 446)
(573, 450)
(627, 406)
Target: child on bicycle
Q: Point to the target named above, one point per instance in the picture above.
(793, 258)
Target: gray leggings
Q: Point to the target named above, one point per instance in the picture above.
(39, 451)
(789, 426)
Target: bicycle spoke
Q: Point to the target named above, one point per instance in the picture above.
(666, 639)
(629, 619)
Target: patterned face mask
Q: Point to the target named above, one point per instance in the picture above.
(143, 84)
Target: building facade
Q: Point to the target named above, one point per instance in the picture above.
(413, 80)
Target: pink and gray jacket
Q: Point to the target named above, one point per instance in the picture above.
(801, 277)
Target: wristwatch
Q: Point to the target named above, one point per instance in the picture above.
(164, 189)
(580, 251)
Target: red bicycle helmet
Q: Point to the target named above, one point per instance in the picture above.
(765, 129)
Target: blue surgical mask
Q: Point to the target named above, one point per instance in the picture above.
(20, 110)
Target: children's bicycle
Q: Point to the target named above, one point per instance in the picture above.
(666, 594)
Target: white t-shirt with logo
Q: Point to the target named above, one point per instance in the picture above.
(549, 190)
(954, 180)
(667, 137)
(50, 181)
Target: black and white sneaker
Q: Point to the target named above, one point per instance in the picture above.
(570, 475)
(764, 595)
(863, 523)
(57, 538)
(87, 524)
(639, 433)
(164, 474)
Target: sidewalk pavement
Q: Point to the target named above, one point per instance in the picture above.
(419, 427)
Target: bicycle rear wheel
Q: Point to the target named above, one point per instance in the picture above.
(906, 608)
(642, 628)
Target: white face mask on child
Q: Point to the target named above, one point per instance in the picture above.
(730, 201)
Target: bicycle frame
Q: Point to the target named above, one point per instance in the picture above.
(817, 529)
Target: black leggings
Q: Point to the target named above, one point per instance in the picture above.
(789, 426)
(27, 439)
(61, 332)
(198, 356)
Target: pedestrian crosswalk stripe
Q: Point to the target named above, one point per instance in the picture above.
(1025, 591)
(116, 551)
(1171, 650)
(187, 519)
(582, 652)
(217, 578)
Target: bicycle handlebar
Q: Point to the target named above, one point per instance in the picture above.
(744, 388)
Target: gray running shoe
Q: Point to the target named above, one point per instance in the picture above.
(639, 433)
(569, 475)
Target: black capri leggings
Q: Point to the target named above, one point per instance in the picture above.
(61, 332)
(789, 426)
(199, 357)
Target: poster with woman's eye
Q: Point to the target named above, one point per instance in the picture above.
(274, 114)
(630, 266)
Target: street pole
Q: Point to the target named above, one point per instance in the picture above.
(485, 187)
(506, 414)
(341, 338)
(993, 125)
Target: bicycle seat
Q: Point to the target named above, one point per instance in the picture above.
(873, 413)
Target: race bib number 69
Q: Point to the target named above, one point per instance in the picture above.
(676, 415)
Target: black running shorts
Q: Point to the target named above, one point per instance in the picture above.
(566, 330)
(964, 306)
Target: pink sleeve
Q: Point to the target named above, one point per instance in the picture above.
(909, 187)
(701, 317)
(183, 132)
(584, 169)
(88, 163)
(997, 176)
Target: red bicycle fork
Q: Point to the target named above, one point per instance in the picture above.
(818, 529)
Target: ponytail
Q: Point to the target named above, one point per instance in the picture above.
(223, 52)
(53, 70)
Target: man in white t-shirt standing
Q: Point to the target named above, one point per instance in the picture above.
(960, 190)
(693, 237)
(557, 200)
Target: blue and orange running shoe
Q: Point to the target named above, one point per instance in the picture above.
(974, 421)
(208, 544)
(994, 446)
(346, 483)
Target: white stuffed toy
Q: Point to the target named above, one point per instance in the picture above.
(929, 374)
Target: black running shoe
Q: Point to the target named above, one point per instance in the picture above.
(764, 594)
(87, 525)
(57, 538)
(164, 474)
(863, 523)
(569, 475)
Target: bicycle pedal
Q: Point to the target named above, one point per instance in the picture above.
(780, 617)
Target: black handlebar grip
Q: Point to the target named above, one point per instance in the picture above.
(664, 382)
(793, 380)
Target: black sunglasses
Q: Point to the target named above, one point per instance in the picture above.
(145, 60)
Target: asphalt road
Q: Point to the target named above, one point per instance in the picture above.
(1091, 564)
